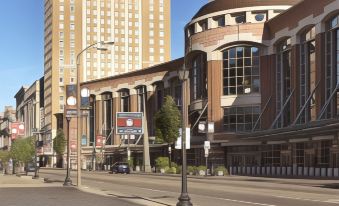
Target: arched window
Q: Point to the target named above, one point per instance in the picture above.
(332, 65)
(283, 81)
(141, 94)
(124, 100)
(107, 115)
(307, 75)
(241, 70)
(198, 78)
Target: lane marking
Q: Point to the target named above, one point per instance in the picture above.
(333, 201)
(219, 198)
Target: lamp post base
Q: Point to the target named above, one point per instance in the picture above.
(68, 182)
(184, 200)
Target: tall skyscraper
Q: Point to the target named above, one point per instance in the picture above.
(139, 28)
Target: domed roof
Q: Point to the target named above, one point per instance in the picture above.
(220, 5)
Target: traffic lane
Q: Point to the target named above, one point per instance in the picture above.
(55, 196)
(203, 198)
(201, 193)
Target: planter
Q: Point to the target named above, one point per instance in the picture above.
(220, 173)
(137, 168)
(202, 172)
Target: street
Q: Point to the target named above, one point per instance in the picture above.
(164, 190)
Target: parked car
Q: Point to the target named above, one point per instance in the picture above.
(29, 167)
(120, 167)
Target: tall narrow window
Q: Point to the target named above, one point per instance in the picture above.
(91, 120)
(107, 117)
(332, 66)
(283, 81)
(198, 78)
(241, 70)
(141, 98)
(124, 101)
(307, 75)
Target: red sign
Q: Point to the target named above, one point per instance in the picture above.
(129, 123)
(17, 129)
(99, 141)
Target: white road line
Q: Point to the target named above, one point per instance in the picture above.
(333, 201)
(223, 199)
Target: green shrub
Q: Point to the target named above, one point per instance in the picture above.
(178, 167)
(202, 167)
(162, 162)
(221, 168)
(191, 169)
(171, 170)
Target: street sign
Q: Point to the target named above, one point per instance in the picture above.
(202, 127)
(188, 139)
(71, 113)
(207, 145)
(83, 140)
(210, 127)
(129, 123)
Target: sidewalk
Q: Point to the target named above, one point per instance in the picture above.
(23, 181)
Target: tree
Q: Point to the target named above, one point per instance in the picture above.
(167, 121)
(23, 150)
(59, 144)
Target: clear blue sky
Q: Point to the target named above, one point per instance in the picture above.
(21, 41)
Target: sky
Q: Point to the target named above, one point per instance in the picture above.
(21, 41)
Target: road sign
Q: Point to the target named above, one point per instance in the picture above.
(129, 123)
(207, 145)
(188, 139)
(71, 113)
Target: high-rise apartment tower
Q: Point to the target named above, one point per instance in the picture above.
(139, 28)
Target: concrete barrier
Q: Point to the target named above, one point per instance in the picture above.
(243, 170)
(323, 172)
(311, 171)
(300, 171)
(248, 170)
(336, 172)
(289, 171)
(306, 171)
(329, 172)
(279, 171)
(263, 172)
(273, 171)
(268, 171)
(317, 172)
(283, 171)
(258, 172)
(253, 170)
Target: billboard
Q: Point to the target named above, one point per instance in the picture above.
(129, 123)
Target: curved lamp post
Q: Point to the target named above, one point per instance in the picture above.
(101, 43)
(184, 199)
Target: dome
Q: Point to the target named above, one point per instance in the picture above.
(221, 5)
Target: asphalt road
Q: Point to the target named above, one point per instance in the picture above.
(164, 190)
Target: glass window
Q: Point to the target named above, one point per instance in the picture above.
(198, 77)
(141, 92)
(283, 81)
(240, 18)
(124, 101)
(239, 119)
(241, 70)
(332, 66)
(307, 75)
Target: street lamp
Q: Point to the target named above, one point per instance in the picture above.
(101, 43)
(68, 181)
(170, 156)
(184, 199)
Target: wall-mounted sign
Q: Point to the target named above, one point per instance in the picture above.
(129, 123)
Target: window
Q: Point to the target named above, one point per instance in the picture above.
(241, 70)
(141, 98)
(124, 100)
(260, 17)
(240, 18)
(300, 154)
(198, 77)
(283, 81)
(332, 65)
(325, 153)
(107, 115)
(220, 20)
(203, 25)
(307, 75)
(239, 119)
